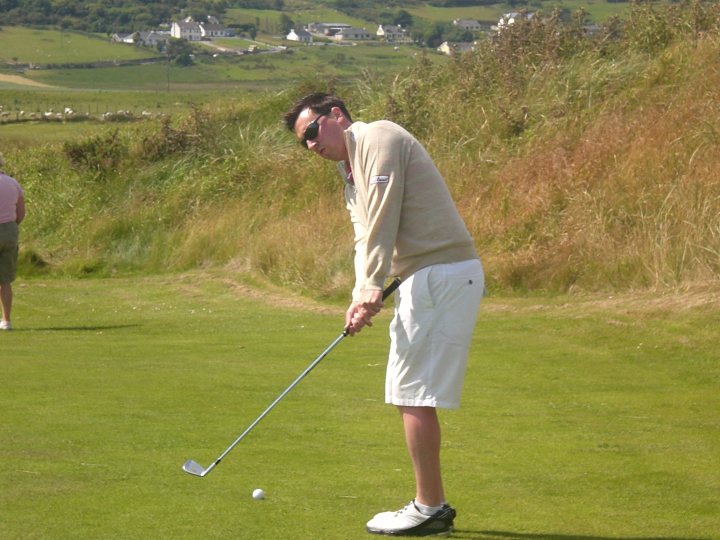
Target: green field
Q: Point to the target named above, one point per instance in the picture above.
(163, 87)
(24, 135)
(598, 11)
(100, 101)
(266, 70)
(487, 14)
(34, 46)
(168, 88)
(269, 21)
(95, 103)
(584, 418)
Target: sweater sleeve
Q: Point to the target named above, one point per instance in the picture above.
(381, 154)
(359, 238)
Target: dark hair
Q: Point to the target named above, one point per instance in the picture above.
(319, 103)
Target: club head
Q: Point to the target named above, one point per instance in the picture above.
(194, 468)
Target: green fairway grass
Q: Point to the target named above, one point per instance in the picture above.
(582, 418)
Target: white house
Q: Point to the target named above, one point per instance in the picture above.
(189, 30)
(149, 39)
(152, 38)
(391, 32)
(509, 18)
(452, 48)
(211, 30)
(123, 38)
(303, 36)
(468, 24)
(352, 34)
(327, 29)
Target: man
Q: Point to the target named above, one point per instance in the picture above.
(12, 212)
(406, 225)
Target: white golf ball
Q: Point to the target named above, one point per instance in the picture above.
(258, 494)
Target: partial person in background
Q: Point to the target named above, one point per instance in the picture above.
(12, 212)
(406, 224)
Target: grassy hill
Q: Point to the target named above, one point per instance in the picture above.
(46, 46)
(117, 84)
(578, 162)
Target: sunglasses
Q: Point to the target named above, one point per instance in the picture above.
(312, 130)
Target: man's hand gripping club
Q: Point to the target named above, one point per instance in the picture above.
(360, 314)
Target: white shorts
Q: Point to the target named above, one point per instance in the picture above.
(435, 313)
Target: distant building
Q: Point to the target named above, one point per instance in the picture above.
(189, 30)
(327, 29)
(391, 32)
(352, 34)
(509, 18)
(153, 38)
(211, 30)
(452, 49)
(123, 38)
(148, 39)
(194, 31)
(470, 25)
(302, 36)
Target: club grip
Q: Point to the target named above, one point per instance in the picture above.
(391, 288)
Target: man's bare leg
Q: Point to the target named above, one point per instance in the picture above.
(422, 436)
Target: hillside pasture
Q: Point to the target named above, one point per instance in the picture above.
(18, 81)
(95, 102)
(161, 87)
(34, 46)
(232, 71)
(27, 134)
(268, 21)
(487, 14)
(19, 130)
(598, 11)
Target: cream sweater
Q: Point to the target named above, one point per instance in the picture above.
(401, 209)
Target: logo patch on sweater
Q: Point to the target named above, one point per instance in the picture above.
(382, 179)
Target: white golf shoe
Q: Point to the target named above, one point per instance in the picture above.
(5, 325)
(409, 521)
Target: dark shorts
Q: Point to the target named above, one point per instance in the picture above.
(8, 251)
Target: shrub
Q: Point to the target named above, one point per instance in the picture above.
(99, 153)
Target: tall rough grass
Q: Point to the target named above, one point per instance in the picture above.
(579, 161)
(586, 161)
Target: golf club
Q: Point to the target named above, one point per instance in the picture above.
(194, 468)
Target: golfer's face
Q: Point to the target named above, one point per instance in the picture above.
(321, 134)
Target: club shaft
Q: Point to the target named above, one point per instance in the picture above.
(387, 292)
(278, 399)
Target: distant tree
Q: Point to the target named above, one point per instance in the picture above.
(386, 17)
(7, 5)
(403, 18)
(179, 51)
(286, 23)
(183, 60)
(457, 35)
(105, 15)
(434, 35)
